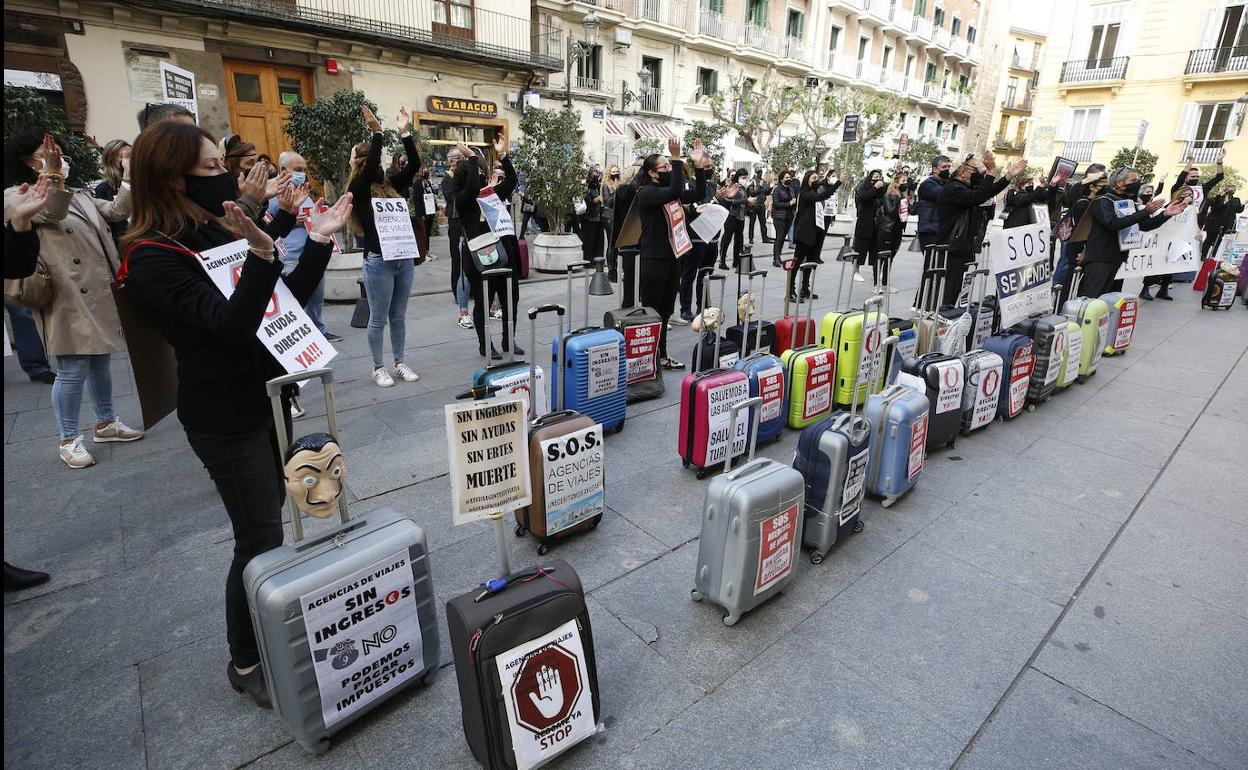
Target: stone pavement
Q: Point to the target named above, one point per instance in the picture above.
(1066, 591)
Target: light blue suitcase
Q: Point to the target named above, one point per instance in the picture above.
(592, 385)
(898, 417)
(766, 374)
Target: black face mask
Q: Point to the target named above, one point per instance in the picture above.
(1145, 198)
(665, 177)
(976, 179)
(944, 175)
(211, 192)
(615, 176)
(1133, 189)
(380, 176)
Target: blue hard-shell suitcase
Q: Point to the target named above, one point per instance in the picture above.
(1017, 353)
(766, 374)
(898, 417)
(594, 369)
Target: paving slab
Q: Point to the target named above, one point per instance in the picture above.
(1134, 436)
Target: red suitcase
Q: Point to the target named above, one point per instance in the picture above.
(1202, 277)
(705, 418)
(784, 327)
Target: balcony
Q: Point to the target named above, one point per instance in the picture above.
(898, 17)
(586, 84)
(650, 100)
(1019, 63)
(930, 93)
(874, 12)
(472, 34)
(762, 38)
(1214, 61)
(1007, 147)
(974, 53)
(1016, 102)
(716, 25)
(1094, 70)
(941, 37)
(921, 28)
(1080, 151)
(663, 11)
(1204, 150)
(840, 66)
(796, 51)
(958, 48)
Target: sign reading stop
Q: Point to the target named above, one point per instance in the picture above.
(547, 688)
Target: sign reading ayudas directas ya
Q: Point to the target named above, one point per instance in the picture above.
(286, 330)
(487, 445)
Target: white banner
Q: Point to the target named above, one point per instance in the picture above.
(487, 443)
(1019, 259)
(573, 472)
(1172, 248)
(286, 330)
(496, 214)
(364, 633)
(394, 229)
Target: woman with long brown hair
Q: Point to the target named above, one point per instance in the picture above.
(183, 205)
(113, 160)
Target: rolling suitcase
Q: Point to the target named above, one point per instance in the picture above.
(809, 372)
(640, 327)
(793, 330)
(712, 350)
(1072, 350)
(1092, 318)
(748, 334)
(1048, 332)
(982, 394)
(524, 257)
(566, 466)
(346, 618)
(928, 324)
(525, 665)
(593, 369)
(845, 332)
(751, 530)
(1017, 351)
(1220, 291)
(1124, 310)
(705, 398)
(942, 377)
(1201, 281)
(766, 376)
(832, 456)
(509, 376)
(902, 327)
(898, 419)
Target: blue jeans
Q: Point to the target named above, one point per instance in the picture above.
(26, 340)
(388, 284)
(71, 373)
(1065, 263)
(315, 302)
(462, 291)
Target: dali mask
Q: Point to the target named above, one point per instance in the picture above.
(315, 472)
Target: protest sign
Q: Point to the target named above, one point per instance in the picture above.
(1172, 248)
(641, 348)
(1061, 172)
(1128, 237)
(573, 472)
(496, 214)
(725, 436)
(178, 87)
(710, 222)
(1019, 260)
(487, 445)
(286, 330)
(394, 229)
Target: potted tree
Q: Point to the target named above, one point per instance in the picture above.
(552, 157)
(324, 133)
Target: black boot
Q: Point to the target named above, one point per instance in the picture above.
(1145, 294)
(516, 349)
(1165, 294)
(18, 579)
(251, 683)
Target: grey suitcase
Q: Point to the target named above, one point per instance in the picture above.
(832, 456)
(751, 529)
(344, 619)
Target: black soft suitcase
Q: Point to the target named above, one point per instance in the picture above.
(944, 376)
(744, 335)
(542, 699)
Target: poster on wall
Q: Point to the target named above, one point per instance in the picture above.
(177, 86)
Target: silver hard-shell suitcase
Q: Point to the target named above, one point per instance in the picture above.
(344, 619)
(751, 529)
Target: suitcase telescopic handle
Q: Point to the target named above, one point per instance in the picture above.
(758, 310)
(751, 432)
(873, 301)
(274, 388)
(846, 256)
(1057, 298)
(886, 360)
(931, 288)
(534, 312)
(486, 275)
(582, 266)
(706, 303)
(723, 295)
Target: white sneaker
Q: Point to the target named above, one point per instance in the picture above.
(496, 313)
(383, 378)
(296, 409)
(858, 277)
(76, 455)
(404, 371)
(465, 321)
(116, 431)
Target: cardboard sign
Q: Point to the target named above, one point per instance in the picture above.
(777, 545)
(1056, 354)
(771, 388)
(177, 86)
(641, 349)
(630, 230)
(431, 204)
(677, 235)
(728, 360)
(949, 396)
(1061, 172)
(818, 395)
(487, 444)
(1074, 353)
(496, 214)
(518, 384)
(573, 472)
(1019, 260)
(1172, 248)
(720, 400)
(849, 132)
(1129, 237)
(855, 485)
(1128, 309)
(918, 447)
(286, 330)
(364, 633)
(983, 328)
(1040, 212)
(984, 392)
(394, 229)
(710, 222)
(603, 369)
(545, 688)
(1020, 374)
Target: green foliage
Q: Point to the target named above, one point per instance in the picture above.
(25, 109)
(324, 132)
(848, 161)
(712, 136)
(756, 111)
(648, 145)
(919, 154)
(551, 155)
(795, 152)
(1231, 178)
(1145, 163)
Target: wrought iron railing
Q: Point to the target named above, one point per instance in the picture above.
(1081, 151)
(1207, 61)
(587, 84)
(1093, 70)
(650, 99)
(1204, 150)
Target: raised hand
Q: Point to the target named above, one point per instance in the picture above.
(1174, 209)
(257, 239)
(254, 183)
(29, 201)
(402, 119)
(370, 119)
(1016, 169)
(1221, 155)
(500, 146)
(1157, 203)
(673, 148)
(291, 195)
(125, 168)
(698, 155)
(331, 220)
(274, 186)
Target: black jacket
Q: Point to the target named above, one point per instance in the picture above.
(925, 206)
(21, 252)
(888, 225)
(654, 242)
(361, 187)
(1018, 205)
(782, 203)
(1103, 237)
(624, 196)
(805, 230)
(957, 198)
(1222, 213)
(736, 204)
(759, 190)
(867, 199)
(222, 366)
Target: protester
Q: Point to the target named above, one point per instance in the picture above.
(610, 185)
(300, 205)
(783, 204)
(1020, 199)
(1082, 194)
(240, 156)
(958, 212)
(701, 256)
(592, 229)
(734, 228)
(151, 114)
(105, 188)
(504, 186)
(661, 182)
(388, 283)
(807, 227)
(888, 229)
(1189, 176)
(21, 253)
(867, 197)
(626, 256)
(757, 194)
(455, 240)
(183, 206)
(1220, 219)
(1102, 255)
(927, 205)
(80, 325)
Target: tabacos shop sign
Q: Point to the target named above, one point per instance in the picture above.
(453, 105)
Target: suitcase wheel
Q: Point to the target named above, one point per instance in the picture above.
(888, 502)
(543, 549)
(521, 530)
(816, 557)
(319, 747)
(619, 427)
(685, 463)
(952, 443)
(858, 525)
(1031, 407)
(429, 676)
(594, 524)
(696, 595)
(731, 620)
(703, 473)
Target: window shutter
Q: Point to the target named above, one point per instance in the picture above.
(1213, 24)
(1102, 125)
(1187, 122)
(1064, 126)
(1237, 120)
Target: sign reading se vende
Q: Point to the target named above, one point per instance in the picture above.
(449, 105)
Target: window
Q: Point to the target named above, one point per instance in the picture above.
(834, 40)
(930, 76)
(920, 8)
(887, 60)
(909, 64)
(1104, 43)
(953, 133)
(708, 81)
(940, 128)
(1004, 127)
(756, 12)
(1083, 124)
(863, 43)
(1035, 56)
(938, 17)
(956, 26)
(922, 125)
(794, 26)
(1011, 92)
(1231, 32)
(655, 68)
(247, 88)
(902, 118)
(964, 83)
(944, 82)
(716, 6)
(1211, 123)
(590, 65)
(970, 33)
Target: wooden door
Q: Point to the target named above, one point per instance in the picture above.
(260, 97)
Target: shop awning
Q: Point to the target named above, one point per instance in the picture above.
(657, 130)
(613, 128)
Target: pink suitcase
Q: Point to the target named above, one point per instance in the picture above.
(524, 258)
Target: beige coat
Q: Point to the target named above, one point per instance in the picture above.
(80, 254)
